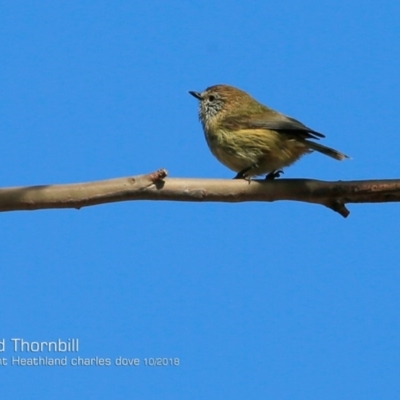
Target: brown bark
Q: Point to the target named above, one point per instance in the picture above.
(155, 186)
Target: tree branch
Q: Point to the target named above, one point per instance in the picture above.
(154, 186)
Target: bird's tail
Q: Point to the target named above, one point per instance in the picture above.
(337, 155)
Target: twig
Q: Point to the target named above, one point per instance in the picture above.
(155, 186)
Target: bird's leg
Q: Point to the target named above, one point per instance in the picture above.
(274, 174)
(240, 175)
(243, 174)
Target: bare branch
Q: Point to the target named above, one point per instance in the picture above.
(154, 186)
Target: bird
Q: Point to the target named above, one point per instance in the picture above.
(252, 139)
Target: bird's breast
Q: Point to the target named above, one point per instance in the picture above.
(239, 149)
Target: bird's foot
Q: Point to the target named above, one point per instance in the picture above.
(274, 174)
(243, 174)
(240, 175)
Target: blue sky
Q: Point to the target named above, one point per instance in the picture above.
(257, 300)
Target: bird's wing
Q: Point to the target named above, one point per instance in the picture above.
(276, 121)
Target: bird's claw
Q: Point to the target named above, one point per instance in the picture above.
(243, 174)
(274, 174)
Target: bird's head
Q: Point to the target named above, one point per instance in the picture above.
(218, 100)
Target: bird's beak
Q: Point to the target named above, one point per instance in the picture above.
(195, 94)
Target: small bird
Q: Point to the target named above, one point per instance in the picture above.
(250, 138)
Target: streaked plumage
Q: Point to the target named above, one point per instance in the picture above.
(250, 138)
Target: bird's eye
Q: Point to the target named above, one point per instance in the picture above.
(211, 97)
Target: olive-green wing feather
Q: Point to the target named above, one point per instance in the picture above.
(274, 121)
